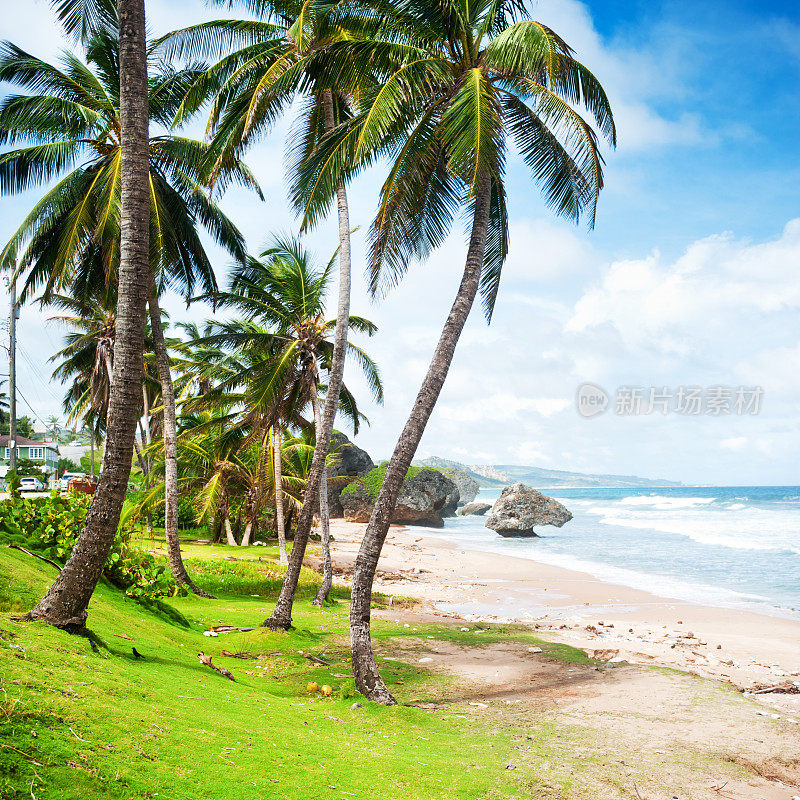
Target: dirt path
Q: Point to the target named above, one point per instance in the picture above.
(629, 731)
(662, 721)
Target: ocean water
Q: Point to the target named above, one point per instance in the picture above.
(727, 546)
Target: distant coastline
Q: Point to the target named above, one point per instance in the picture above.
(493, 476)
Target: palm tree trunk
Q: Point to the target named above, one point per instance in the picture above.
(148, 435)
(281, 616)
(91, 450)
(144, 432)
(277, 465)
(65, 604)
(365, 668)
(248, 528)
(145, 472)
(228, 530)
(176, 564)
(324, 517)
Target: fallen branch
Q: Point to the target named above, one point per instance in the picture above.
(317, 659)
(222, 671)
(228, 654)
(228, 629)
(36, 555)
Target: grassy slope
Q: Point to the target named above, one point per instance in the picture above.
(76, 724)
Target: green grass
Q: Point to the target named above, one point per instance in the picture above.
(78, 724)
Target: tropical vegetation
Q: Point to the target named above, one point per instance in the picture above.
(229, 422)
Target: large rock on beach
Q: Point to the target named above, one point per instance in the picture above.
(468, 487)
(347, 461)
(519, 509)
(425, 497)
(473, 509)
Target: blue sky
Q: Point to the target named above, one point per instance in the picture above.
(689, 278)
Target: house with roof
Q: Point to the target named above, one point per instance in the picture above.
(45, 454)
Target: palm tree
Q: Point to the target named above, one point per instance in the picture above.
(71, 236)
(217, 465)
(65, 603)
(265, 64)
(457, 82)
(283, 299)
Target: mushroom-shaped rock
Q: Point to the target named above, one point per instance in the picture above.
(519, 509)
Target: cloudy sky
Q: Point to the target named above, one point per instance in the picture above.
(691, 277)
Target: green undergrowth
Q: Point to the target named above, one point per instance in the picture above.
(75, 723)
(373, 480)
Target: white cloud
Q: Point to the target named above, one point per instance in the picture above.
(718, 289)
(633, 77)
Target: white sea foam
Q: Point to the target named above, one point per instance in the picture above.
(661, 502)
(659, 585)
(734, 547)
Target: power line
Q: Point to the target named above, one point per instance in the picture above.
(19, 392)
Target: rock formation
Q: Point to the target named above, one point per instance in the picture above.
(424, 498)
(520, 508)
(468, 487)
(347, 461)
(473, 509)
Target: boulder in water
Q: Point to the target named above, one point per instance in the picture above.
(521, 508)
(473, 509)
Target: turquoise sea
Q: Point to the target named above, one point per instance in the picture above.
(733, 546)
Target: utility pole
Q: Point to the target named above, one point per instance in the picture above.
(12, 371)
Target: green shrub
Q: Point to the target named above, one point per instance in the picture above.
(373, 480)
(51, 525)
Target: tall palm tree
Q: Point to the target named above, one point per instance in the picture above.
(264, 65)
(459, 80)
(283, 299)
(71, 238)
(65, 603)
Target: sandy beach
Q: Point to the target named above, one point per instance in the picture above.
(614, 623)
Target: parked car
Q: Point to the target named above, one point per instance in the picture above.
(63, 484)
(30, 484)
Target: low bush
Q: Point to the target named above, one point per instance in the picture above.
(50, 526)
(373, 480)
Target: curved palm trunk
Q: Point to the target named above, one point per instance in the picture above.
(324, 517)
(248, 529)
(228, 530)
(144, 463)
(176, 564)
(365, 668)
(277, 465)
(281, 617)
(145, 472)
(66, 602)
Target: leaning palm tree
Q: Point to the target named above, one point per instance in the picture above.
(66, 602)
(460, 81)
(265, 64)
(282, 297)
(71, 237)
